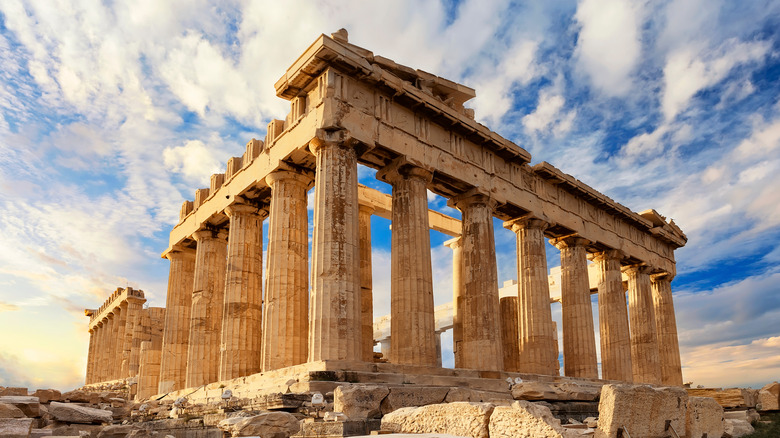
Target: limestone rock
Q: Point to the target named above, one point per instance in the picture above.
(10, 411)
(64, 429)
(526, 420)
(359, 401)
(456, 394)
(642, 409)
(48, 395)
(704, 415)
(265, 425)
(15, 427)
(40, 433)
(29, 405)
(402, 397)
(13, 391)
(77, 396)
(737, 428)
(124, 431)
(459, 418)
(555, 391)
(72, 413)
(728, 398)
(769, 397)
(749, 415)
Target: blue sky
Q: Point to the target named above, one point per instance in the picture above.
(111, 114)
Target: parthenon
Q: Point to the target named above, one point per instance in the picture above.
(226, 317)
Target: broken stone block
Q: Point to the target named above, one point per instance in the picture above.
(15, 427)
(29, 405)
(124, 431)
(48, 395)
(728, 398)
(359, 402)
(769, 397)
(525, 419)
(641, 409)
(704, 416)
(14, 391)
(77, 396)
(40, 433)
(10, 411)
(459, 418)
(456, 394)
(555, 391)
(736, 428)
(402, 397)
(72, 413)
(267, 424)
(749, 415)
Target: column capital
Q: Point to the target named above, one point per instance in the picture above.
(639, 268)
(179, 250)
(301, 176)
(661, 276)
(569, 241)
(331, 137)
(609, 254)
(366, 209)
(477, 195)
(527, 221)
(454, 243)
(204, 234)
(404, 167)
(240, 207)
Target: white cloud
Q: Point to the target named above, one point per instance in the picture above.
(609, 43)
(194, 160)
(549, 115)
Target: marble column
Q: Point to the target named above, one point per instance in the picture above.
(335, 321)
(114, 355)
(579, 339)
(412, 323)
(366, 284)
(148, 370)
(286, 311)
(240, 349)
(142, 331)
(538, 350)
(509, 333)
(134, 306)
(176, 335)
(100, 351)
(208, 290)
(644, 344)
(457, 302)
(666, 327)
(480, 308)
(384, 345)
(91, 355)
(613, 318)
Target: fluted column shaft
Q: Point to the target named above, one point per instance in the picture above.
(366, 285)
(241, 345)
(105, 368)
(510, 338)
(207, 306)
(666, 326)
(412, 323)
(134, 306)
(613, 319)
(117, 343)
(141, 332)
(286, 312)
(644, 343)
(457, 302)
(538, 348)
(100, 351)
(482, 348)
(176, 335)
(335, 322)
(91, 356)
(579, 339)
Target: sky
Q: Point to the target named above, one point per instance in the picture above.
(112, 113)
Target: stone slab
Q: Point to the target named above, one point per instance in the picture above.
(15, 427)
(8, 410)
(704, 416)
(459, 418)
(359, 402)
(642, 409)
(29, 405)
(526, 419)
(769, 397)
(72, 413)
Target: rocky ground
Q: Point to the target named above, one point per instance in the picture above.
(526, 409)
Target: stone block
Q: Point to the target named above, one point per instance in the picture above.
(769, 397)
(334, 429)
(8, 410)
(267, 424)
(15, 427)
(29, 405)
(64, 429)
(77, 396)
(402, 397)
(40, 433)
(459, 418)
(728, 398)
(456, 394)
(72, 413)
(704, 416)
(525, 419)
(642, 409)
(125, 431)
(48, 395)
(13, 391)
(569, 391)
(749, 415)
(359, 402)
(736, 428)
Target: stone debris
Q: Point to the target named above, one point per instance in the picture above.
(15, 427)
(73, 413)
(525, 419)
(555, 391)
(29, 405)
(13, 391)
(769, 397)
(641, 409)
(359, 402)
(8, 410)
(459, 418)
(266, 425)
(734, 428)
(704, 416)
(749, 415)
(403, 397)
(729, 398)
(47, 395)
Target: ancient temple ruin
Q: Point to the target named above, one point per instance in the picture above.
(226, 318)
